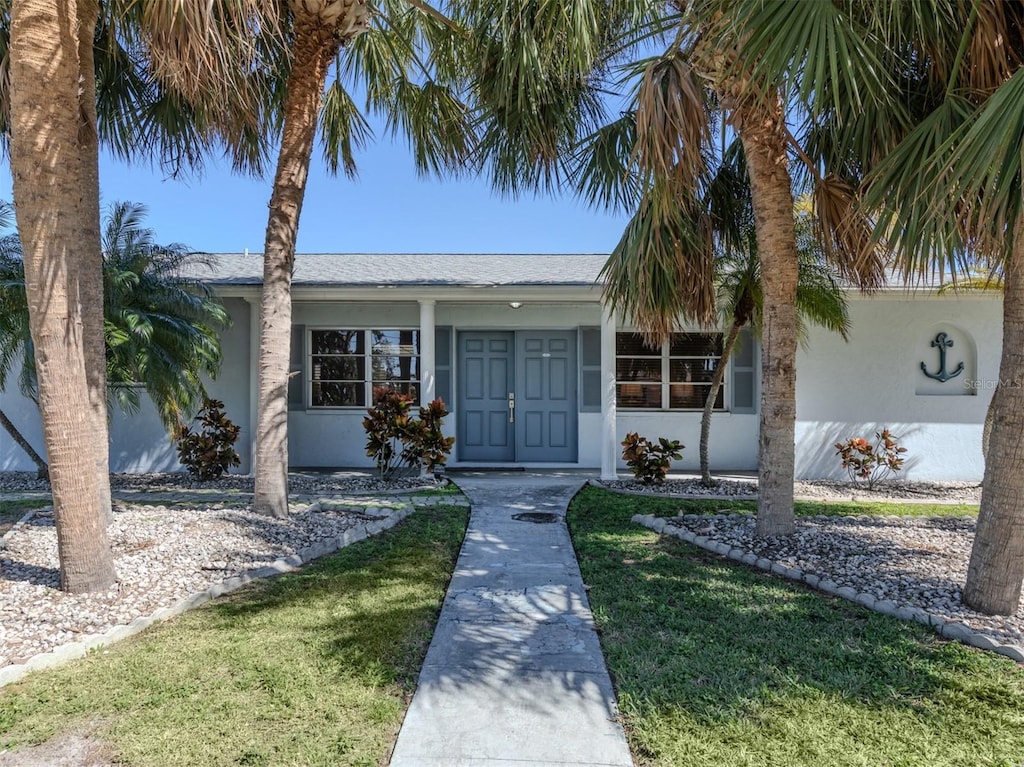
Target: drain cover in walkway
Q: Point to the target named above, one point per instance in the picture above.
(535, 516)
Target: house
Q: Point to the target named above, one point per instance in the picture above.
(537, 373)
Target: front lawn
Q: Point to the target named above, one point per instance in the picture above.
(12, 511)
(666, 506)
(717, 664)
(311, 668)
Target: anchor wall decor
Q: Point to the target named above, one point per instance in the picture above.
(942, 342)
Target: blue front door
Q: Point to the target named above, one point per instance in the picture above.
(517, 396)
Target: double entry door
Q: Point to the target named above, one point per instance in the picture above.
(517, 396)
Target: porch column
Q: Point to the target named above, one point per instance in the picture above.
(609, 436)
(428, 383)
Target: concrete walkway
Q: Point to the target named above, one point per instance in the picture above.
(514, 674)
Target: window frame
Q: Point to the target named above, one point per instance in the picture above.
(665, 382)
(367, 356)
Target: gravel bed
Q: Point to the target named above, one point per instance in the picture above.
(913, 561)
(299, 483)
(163, 553)
(828, 490)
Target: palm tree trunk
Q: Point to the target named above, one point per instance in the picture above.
(91, 274)
(314, 47)
(764, 144)
(46, 39)
(709, 403)
(42, 470)
(996, 570)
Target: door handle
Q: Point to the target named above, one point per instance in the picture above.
(511, 407)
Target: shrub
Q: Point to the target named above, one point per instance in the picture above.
(208, 454)
(398, 441)
(649, 460)
(871, 463)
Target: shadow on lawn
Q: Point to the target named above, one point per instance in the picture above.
(682, 627)
(370, 611)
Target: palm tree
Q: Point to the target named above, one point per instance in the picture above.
(53, 156)
(819, 298)
(160, 324)
(542, 81)
(944, 142)
(950, 194)
(54, 138)
(401, 55)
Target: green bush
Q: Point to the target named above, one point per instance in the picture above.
(398, 442)
(209, 453)
(871, 463)
(650, 461)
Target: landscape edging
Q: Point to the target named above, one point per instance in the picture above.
(955, 630)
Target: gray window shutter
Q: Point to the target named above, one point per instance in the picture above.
(443, 364)
(744, 378)
(590, 369)
(296, 368)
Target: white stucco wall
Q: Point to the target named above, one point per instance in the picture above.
(335, 437)
(843, 389)
(23, 414)
(875, 381)
(139, 443)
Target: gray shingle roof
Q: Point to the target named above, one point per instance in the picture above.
(447, 269)
(363, 269)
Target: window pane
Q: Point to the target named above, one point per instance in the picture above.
(337, 341)
(633, 369)
(590, 347)
(396, 341)
(692, 396)
(412, 389)
(334, 394)
(395, 368)
(638, 395)
(696, 345)
(633, 345)
(702, 370)
(339, 369)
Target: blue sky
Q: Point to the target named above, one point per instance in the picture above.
(386, 209)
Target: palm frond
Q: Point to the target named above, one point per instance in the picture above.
(910, 196)
(846, 234)
(344, 129)
(819, 47)
(661, 271)
(603, 171)
(435, 123)
(985, 157)
(195, 46)
(672, 131)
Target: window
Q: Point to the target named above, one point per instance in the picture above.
(675, 376)
(346, 365)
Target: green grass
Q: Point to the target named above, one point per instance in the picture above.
(12, 511)
(664, 506)
(312, 668)
(719, 665)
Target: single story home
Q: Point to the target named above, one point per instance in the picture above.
(536, 373)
